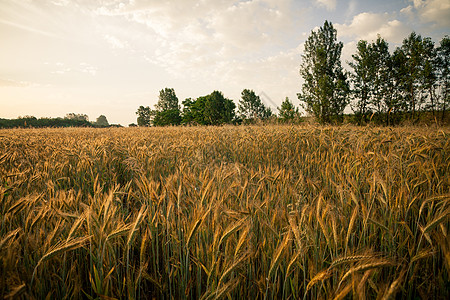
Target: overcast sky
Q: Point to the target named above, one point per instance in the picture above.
(111, 56)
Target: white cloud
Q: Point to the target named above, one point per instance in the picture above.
(60, 2)
(433, 11)
(249, 25)
(62, 68)
(115, 42)
(13, 83)
(347, 51)
(243, 25)
(87, 68)
(198, 37)
(367, 26)
(328, 4)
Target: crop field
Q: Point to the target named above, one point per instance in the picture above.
(246, 212)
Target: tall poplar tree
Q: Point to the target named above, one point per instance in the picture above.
(443, 66)
(362, 77)
(325, 90)
(417, 52)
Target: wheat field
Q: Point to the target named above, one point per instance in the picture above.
(263, 212)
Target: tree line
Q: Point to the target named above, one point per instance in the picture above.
(212, 109)
(382, 87)
(70, 120)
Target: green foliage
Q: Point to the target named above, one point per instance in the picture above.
(168, 100)
(251, 107)
(187, 116)
(218, 109)
(167, 117)
(325, 90)
(443, 74)
(392, 88)
(418, 53)
(213, 109)
(167, 110)
(77, 117)
(287, 112)
(372, 80)
(144, 116)
(361, 79)
(31, 121)
(102, 121)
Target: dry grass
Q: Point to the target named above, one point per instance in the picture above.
(225, 212)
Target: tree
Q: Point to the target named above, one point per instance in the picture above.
(429, 75)
(193, 111)
(443, 75)
(386, 97)
(187, 116)
(167, 110)
(362, 78)
(144, 116)
(417, 53)
(372, 79)
(381, 84)
(287, 112)
(251, 107)
(399, 73)
(102, 121)
(325, 90)
(77, 117)
(212, 109)
(218, 109)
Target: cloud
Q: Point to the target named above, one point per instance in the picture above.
(198, 37)
(330, 5)
(87, 68)
(249, 25)
(367, 26)
(13, 83)
(430, 11)
(242, 25)
(115, 42)
(62, 68)
(60, 2)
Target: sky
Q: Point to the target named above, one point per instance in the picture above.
(108, 57)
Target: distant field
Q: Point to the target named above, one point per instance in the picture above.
(253, 212)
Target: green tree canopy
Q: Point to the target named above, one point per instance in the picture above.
(167, 110)
(218, 109)
(77, 117)
(212, 109)
(144, 116)
(417, 53)
(251, 107)
(372, 79)
(287, 112)
(325, 89)
(363, 71)
(102, 121)
(443, 74)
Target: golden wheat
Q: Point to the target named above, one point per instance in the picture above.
(274, 212)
